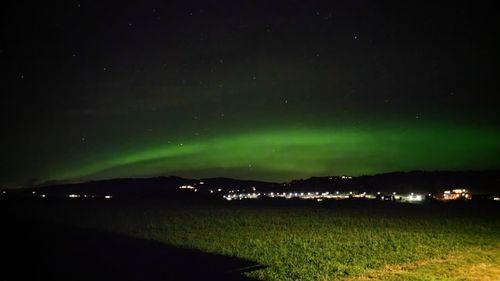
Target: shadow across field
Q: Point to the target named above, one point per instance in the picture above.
(46, 251)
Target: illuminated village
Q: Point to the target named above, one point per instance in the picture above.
(338, 195)
(234, 191)
(413, 197)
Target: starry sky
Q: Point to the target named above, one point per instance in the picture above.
(269, 90)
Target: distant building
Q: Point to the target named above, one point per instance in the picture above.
(456, 194)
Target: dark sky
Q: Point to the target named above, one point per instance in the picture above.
(271, 90)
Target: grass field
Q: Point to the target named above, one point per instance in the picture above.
(308, 241)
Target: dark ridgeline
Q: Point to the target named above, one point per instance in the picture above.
(478, 182)
(158, 187)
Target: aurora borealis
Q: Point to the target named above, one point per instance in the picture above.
(284, 154)
(271, 90)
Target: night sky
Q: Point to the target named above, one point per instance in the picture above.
(269, 90)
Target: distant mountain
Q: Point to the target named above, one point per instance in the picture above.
(137, 187)
(479, 182)
(152, 187)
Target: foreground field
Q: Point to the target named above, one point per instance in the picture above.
(305, 241)
(473, 264)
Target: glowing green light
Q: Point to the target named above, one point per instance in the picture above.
(284, 154)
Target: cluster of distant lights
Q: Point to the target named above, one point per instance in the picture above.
(320, 196)
(237, 194)
(447, 195)
(459, 194)
(455, 194)
(72, 195)
(188, 187)
(87, 196)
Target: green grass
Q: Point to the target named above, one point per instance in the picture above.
(473, 264)
(306, 241)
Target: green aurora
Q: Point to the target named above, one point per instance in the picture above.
(261, 90)
(284, 154)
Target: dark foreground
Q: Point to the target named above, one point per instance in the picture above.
(40, 249)
(269, 240)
